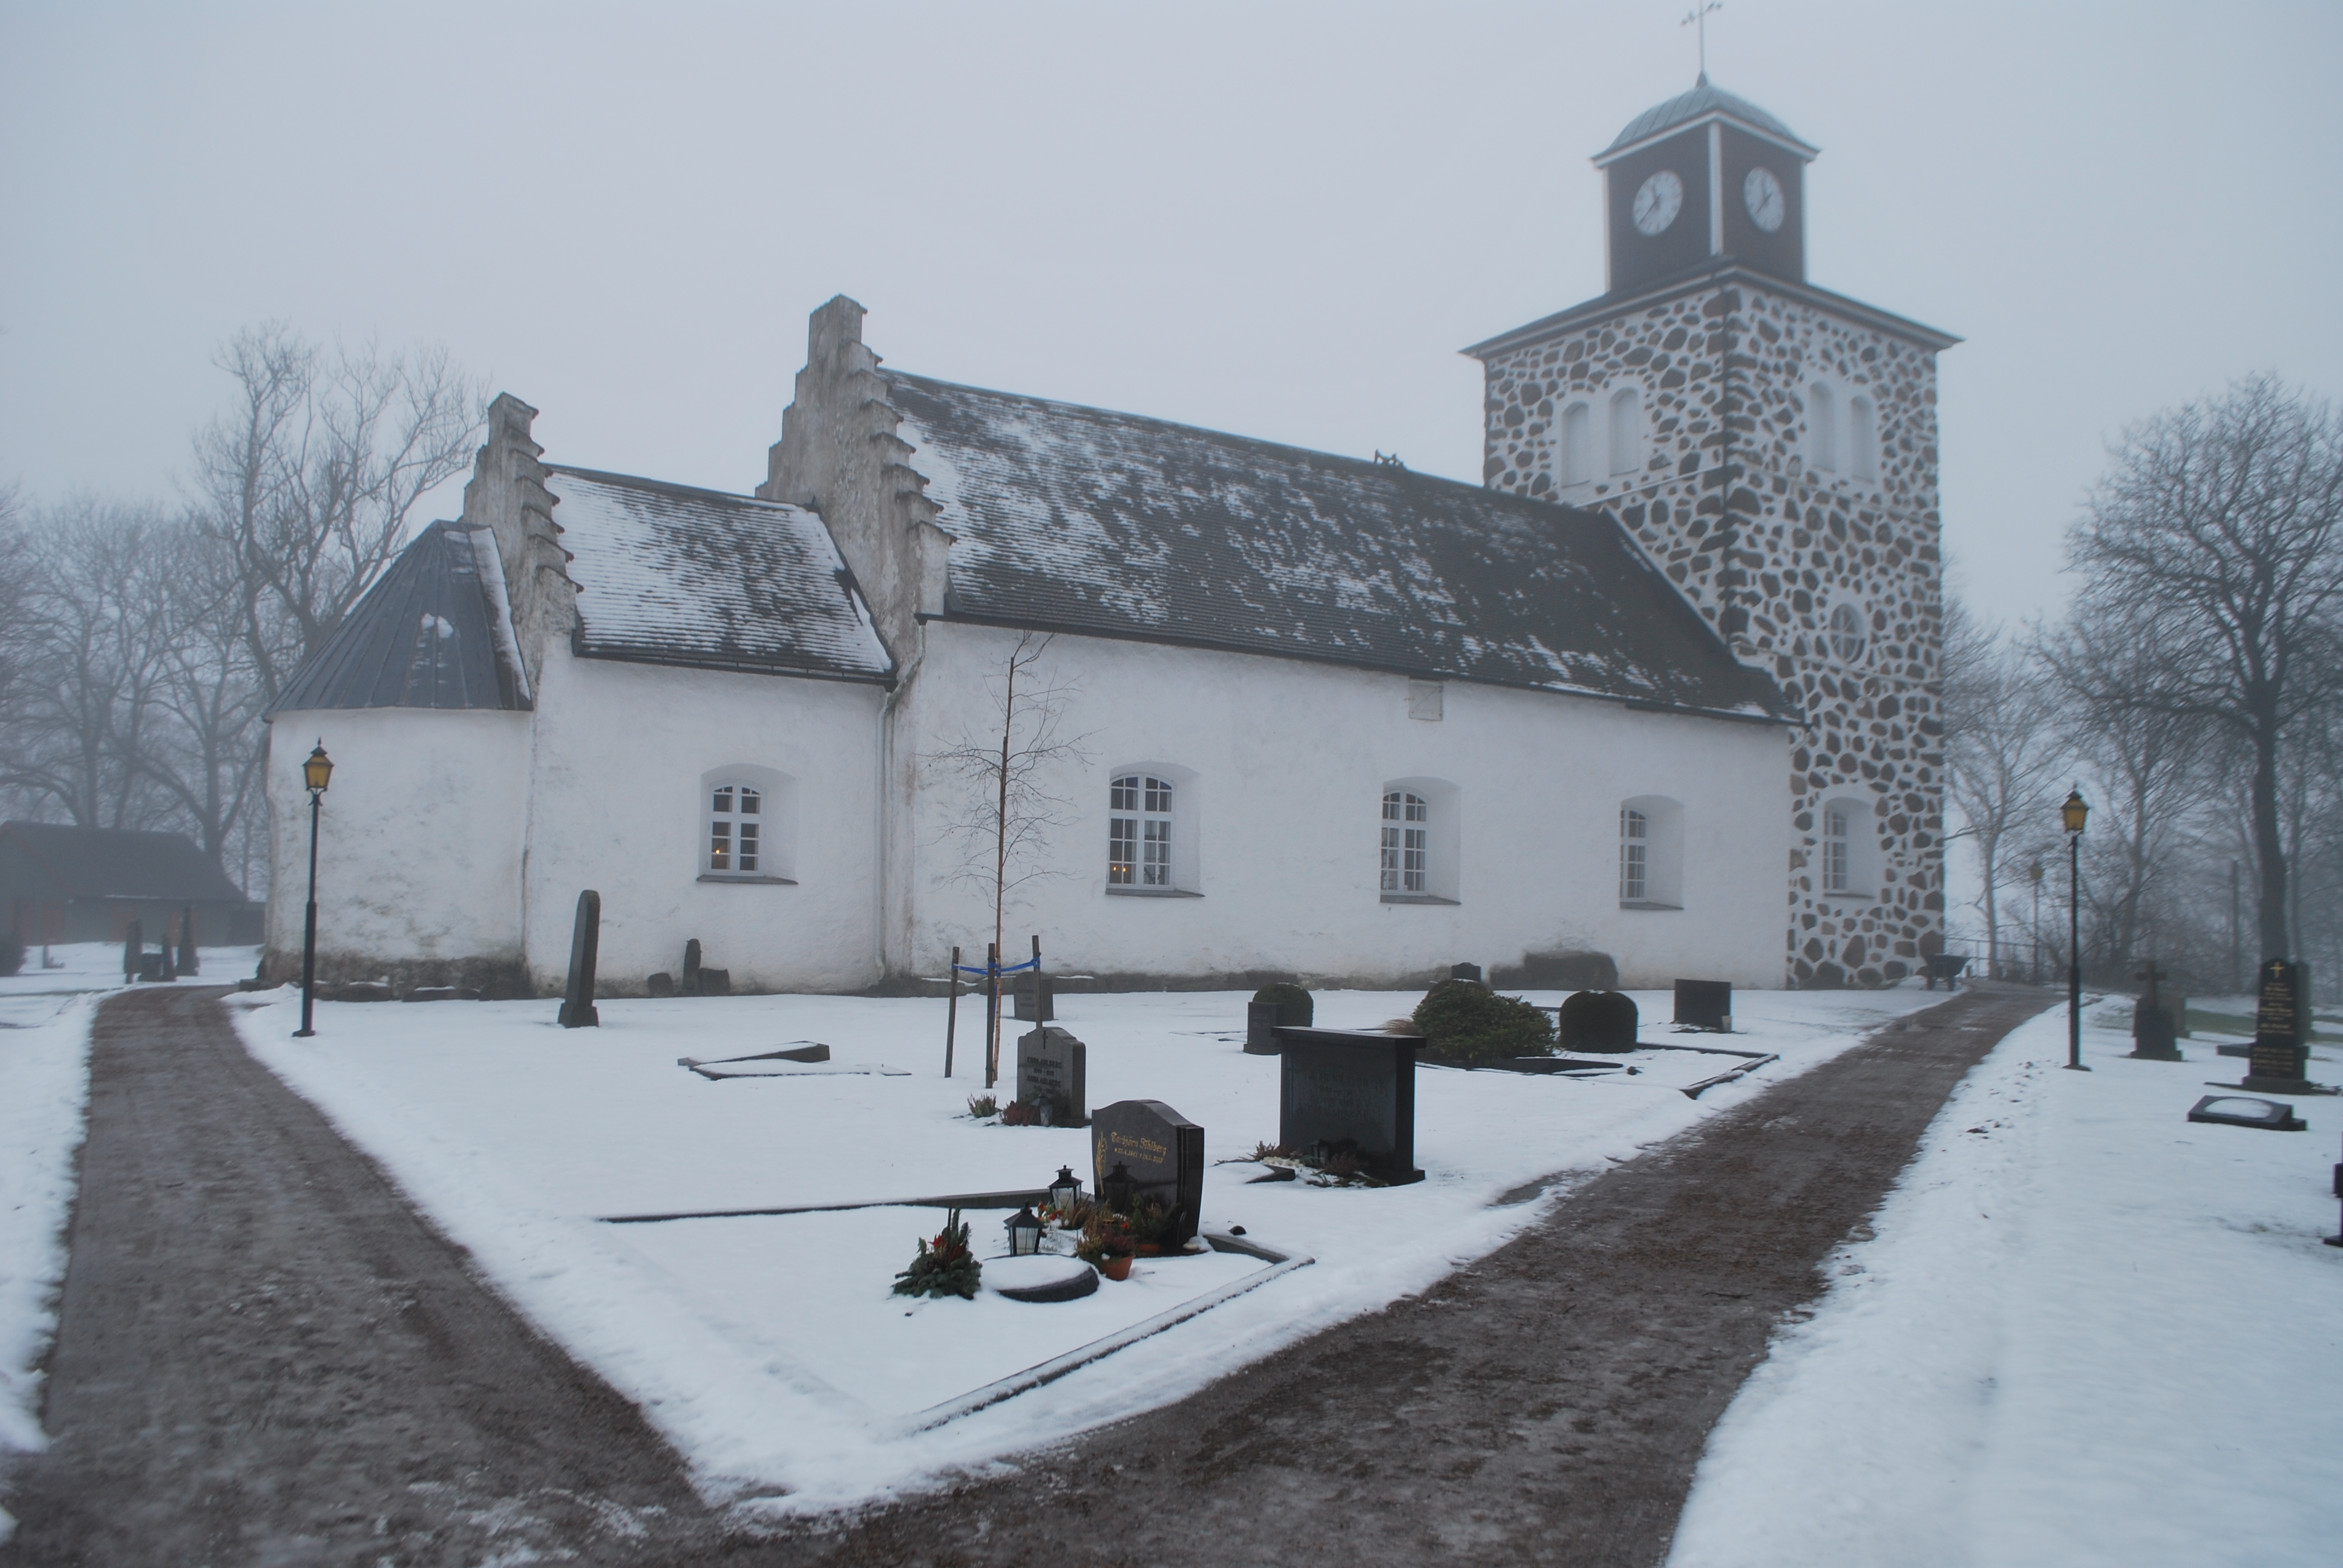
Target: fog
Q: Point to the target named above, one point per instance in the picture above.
(1282, 221)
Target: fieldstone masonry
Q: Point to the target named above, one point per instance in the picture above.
(1766, 547)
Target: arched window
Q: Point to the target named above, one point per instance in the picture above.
(1139, 832)
(1407, 842)
(1836, 844)
(1635, 856)
(1848, 637)
(1863, 438)
(1577, 444)
(736, 829)
(1626, 431)
(1822, 427)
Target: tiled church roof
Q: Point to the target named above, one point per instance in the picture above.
(1081, 519)
(672, 575)
(432, 632)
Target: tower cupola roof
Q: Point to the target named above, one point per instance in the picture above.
(1703, 103)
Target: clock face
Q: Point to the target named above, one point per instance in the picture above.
(1658, 201)
(1761, 193)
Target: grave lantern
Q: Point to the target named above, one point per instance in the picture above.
(1115, 1188)
(1024, 1234)
(1066, 1190)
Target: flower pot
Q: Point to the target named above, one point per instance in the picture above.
(1116, 1268)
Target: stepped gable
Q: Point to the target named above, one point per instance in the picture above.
(434, 631)
(668, 574)
(1084, 520)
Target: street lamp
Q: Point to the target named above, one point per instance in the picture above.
(315, 774)
(2074, 813)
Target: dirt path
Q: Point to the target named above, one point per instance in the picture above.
(264, 1357)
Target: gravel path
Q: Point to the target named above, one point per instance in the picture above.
(266, 1358)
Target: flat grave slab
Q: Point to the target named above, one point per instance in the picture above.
(2241, 1110)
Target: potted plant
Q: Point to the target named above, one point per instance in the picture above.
(1106, 1244)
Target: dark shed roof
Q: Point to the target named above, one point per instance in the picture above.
(1085, 520)
(433, 632)
(119, 863)
(668, 574)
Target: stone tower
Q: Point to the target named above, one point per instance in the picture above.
(1773, 447)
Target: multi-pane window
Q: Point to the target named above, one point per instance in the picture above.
(1407, 842)
(1139, 832)
(1634, 855)
(735, 823)
(1834, 842)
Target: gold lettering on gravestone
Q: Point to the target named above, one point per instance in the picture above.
(2278, 1023)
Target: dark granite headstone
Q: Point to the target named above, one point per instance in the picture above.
(2281, 1024)
(1354, 1087)
(2153, 1035)
(1037, 997)
(714, 983)
(1598, 1020)
(133, 943)
(1052, 1068)
(1948, 968)
(1260, 1028)
(188, 963)
(578, 1010)
(691, 985)
(1704, 1004)
(150, 966)
(660, 984)
(1163, 1152)
(1466, 971)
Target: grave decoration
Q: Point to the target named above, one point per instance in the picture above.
(2153, 1034)
(1054, 1077)
(578, 1010)
(1066, 1190)
(983, 1107)
(1463, 1023)
(2236, 1111)
(1704, 1004)
(1599, 1020)
(945, 1266)
(1285, 1005)
(1351, 1092)
(1145, 1152)
(1024, 1228)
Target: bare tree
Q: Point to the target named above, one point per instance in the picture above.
(2213, 538)
(309, 478)
(1004, 811)
(1998, 756)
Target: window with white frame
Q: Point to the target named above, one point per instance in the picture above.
(1406, 843)
(1848, 636)
(1837, 843)
(736, 829)
(1577, 444)
(1139, 832)
(1626, 431)
(1863, 438)
(1651, 852)
(1635, 856)
(1822, 427)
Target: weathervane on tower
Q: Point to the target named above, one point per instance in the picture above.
(1697, 17)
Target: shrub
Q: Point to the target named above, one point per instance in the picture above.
(1467, 1021)
(1017, 1113)
(1294, 1008)
(1599, 1020)
(983, 1106)
(12, 953)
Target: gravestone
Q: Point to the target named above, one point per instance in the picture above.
(1163, 1152)
(660, 984)
(1466, 971)
(578, 1010)
(1052, 1068)
(714, 983)
(1598, 1020)
(2281, 1024)
(1948, 968)
(133, 943)
(1284, 1004)
(2152, 1033)
(188, 963)
(690, 986)
(1037, 997)
(1260, 1028)
(1704, 1004)
(1352, 1088)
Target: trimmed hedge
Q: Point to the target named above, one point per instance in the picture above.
(1467, 1021)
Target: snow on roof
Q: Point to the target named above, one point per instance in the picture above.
(121, 863)
(432, 632)
(1081, 519)
(668, 574)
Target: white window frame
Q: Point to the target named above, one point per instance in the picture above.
(1662, 845)
(1635, 856)
(1416, 845)
(1847, 861)
(1151, 831)
(1405, 862)
(774, 823)
(1847, 643)
(1626, 446)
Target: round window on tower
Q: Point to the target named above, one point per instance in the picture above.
(1847, 637)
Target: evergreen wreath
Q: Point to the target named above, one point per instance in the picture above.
(945, 1266)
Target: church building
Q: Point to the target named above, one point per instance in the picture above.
(1654, 699)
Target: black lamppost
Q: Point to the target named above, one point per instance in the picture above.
(314, 772)
(2074, 813)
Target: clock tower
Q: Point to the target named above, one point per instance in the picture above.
(1771, 447)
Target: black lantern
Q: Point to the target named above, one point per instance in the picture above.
(1024, 1234)
(1116, 1188)
(314, 772)
(1066, 1190)
(318, 769)
(2075, 812)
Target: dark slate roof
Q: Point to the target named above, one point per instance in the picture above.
(672, 575)
(1703, 99)
(118, 863)
(432, 632)
(1081, 519)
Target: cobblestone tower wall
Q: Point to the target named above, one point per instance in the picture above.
(1726, 496)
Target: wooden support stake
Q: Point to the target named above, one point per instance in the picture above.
(951, 1014)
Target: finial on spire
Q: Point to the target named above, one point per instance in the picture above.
(1697, 18)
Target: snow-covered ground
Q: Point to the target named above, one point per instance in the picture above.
(2086, 1331)
(771, 1351)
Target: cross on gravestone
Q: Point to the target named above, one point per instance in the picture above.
(1354, 1087)
(1164, 1153)
(2279, 1027)
(578, 1010)
(1053, 1071)
(2152, 1031)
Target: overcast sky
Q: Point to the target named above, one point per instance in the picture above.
(1277, 219)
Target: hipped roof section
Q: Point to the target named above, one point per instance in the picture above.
(1084, 520)
(672, 575)
(434, 631)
